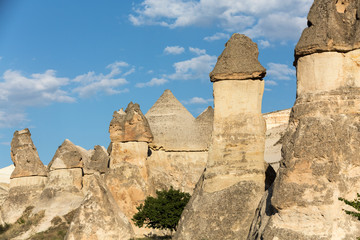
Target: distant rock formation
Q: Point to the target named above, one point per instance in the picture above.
(26, 181)
(322, 145)
(25, 156)
(173, 126)
(225, 199)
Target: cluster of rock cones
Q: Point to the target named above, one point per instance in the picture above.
(222, 151)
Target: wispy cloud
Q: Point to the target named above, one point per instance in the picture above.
(92, 83)
(278, 71)
(152, 82)
(197, 100)
(174, 50)
(264, 43)
(197, 51)
(217, 36)
(194, 68)
(19, 91)
(254, 17)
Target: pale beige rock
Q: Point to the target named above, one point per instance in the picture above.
(180, 170)
(25, 156)
(132, 152)
(277, 118)
(130, 126)
(98, 162)
(328, 71)
(173, 126)
(4, 191)
(128, 187)
(227, 195)
(68, 156)
(64, 180)
(99, 217)
(28, 181)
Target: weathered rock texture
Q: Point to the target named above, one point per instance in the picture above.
(127, 176)
(174, 128)
(333, 25)
(25, 156)
(225, 198)
(98, 162)
(27, 180)
(322, 145)
(99, 217)
(130, 126)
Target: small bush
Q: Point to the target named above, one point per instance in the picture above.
(355, 204)
(162, 212)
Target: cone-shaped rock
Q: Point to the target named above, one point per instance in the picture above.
(238, 61)
(332, 26)
(25, 156)
(322, 144)
(68, 156)
(172, 124)
(98, 162)
(226, 196)
(130, 126)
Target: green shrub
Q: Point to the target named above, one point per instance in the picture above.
(355, 204)
(162, 212)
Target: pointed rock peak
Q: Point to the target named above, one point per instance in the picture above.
(332, 26)
(206, 115)
(131, 126)
(238, 61)
(25, 156)
(68, 156)
(168, 104)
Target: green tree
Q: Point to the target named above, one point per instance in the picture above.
(162, 212)
(355, 204)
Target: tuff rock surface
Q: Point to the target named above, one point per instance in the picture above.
(99, 217)
(321, 145)
(25, 156)
(238, 61)
(130, 126)
(225, 198)
(333, 25)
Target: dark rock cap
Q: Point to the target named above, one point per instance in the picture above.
(25, 156)
(98, 162)
(130, 126)
(238, 61)
(333, 25)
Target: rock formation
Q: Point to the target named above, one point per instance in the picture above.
(173, 126)
(99, 217)
(127, 177)
(322, 145)
(25, 156)
(227, 194)
(27, 180)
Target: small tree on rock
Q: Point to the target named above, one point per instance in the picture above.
(162, 212)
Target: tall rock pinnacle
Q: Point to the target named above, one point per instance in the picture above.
(322, 144)
(227, 194)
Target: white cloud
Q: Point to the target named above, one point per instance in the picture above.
(197, 100)
(264, 43)
(287, 18)
(270, 83)
(195, 68)
(174, 50)
(277, 71)
(197, 51)
(152, 82)
(38, 89)
(217, 36)
(92, 83)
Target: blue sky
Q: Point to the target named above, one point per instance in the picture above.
(66, 66)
